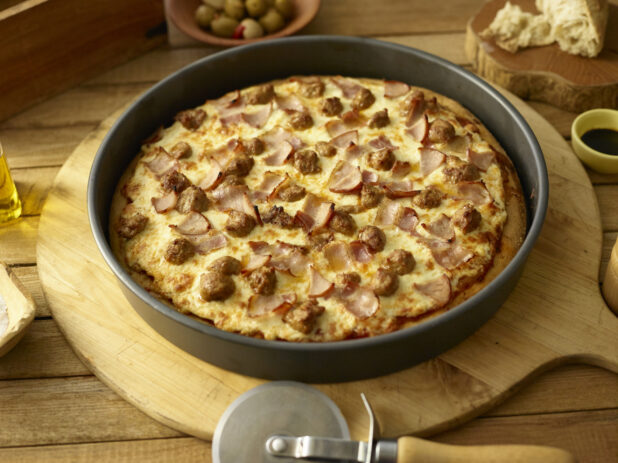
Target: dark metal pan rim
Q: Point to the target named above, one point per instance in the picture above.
(536, 222)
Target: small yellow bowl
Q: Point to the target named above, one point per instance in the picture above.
(594, 119)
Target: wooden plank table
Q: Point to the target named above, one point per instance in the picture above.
(53, 409)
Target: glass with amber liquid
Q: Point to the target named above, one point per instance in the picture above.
(10, 205)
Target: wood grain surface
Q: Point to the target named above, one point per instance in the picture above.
(547, 73)
(556, 314)
(53, 409)
(68, 41)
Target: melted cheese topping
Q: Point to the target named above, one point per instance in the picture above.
(179, 284)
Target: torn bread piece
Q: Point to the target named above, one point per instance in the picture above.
(513, 29)
(578, 26)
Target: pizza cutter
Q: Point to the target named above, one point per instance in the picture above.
(290, 422)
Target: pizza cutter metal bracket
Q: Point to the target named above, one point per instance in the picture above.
(290, 422)
(322, 448)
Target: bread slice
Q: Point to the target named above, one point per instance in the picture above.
(577, 25)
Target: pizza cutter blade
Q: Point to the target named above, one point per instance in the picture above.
(290, 422)
(284, 408)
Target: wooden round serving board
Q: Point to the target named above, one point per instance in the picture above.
(555, 315)
(547, 73)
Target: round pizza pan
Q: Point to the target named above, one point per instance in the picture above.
(240, 67)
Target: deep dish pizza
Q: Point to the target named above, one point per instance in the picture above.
(318, 209)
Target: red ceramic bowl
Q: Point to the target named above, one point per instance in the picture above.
(182, 14)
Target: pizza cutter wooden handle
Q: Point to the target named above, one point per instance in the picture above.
(412, 450)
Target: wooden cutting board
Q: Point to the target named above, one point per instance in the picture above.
(555, 315)
(547, 73)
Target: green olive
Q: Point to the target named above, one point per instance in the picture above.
(234, 9)
(204, 16)
(252, 29)
(223, 26)
(272, 21)
(256, 8)
(285, 7)
(216, 4)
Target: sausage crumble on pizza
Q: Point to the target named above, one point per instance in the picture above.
(318, 209)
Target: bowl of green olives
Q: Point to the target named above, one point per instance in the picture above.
(229, 23)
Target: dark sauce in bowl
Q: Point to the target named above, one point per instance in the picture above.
(602, 140)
